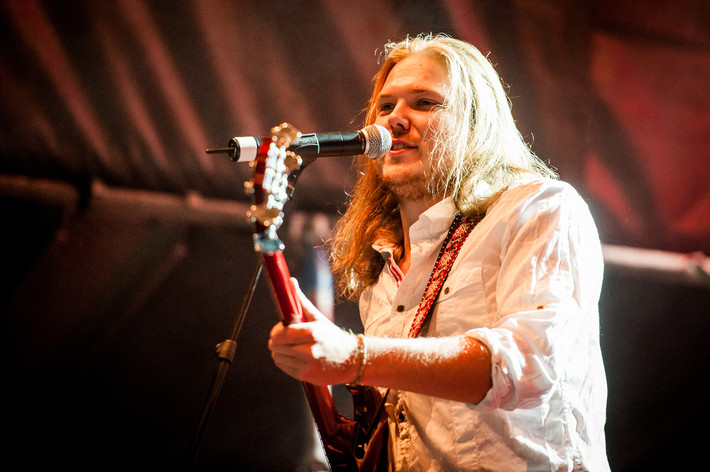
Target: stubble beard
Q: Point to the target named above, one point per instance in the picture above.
(411, 184)
(407, 186)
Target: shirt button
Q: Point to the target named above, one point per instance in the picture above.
(400, 308)
(446, 290)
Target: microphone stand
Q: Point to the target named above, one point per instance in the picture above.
(225, 354)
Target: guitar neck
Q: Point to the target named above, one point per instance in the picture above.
(289, 307)
(269, 190)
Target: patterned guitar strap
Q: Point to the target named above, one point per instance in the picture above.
(459, 230)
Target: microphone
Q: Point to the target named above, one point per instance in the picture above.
(373, 141)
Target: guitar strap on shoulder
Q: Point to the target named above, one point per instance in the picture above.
(459, 230)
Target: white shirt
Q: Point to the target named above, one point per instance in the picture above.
(526, 283)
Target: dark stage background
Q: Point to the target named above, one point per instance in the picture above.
(125, 251)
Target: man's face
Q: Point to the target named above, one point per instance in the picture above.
(409, 106)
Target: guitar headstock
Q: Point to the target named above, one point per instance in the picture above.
(269, 185)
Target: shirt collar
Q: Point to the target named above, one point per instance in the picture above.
(434, 220)
(431, 223)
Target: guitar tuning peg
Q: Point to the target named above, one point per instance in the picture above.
(292, 161)
(265, 215)
(284, 134)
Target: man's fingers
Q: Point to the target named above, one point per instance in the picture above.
(310, 312)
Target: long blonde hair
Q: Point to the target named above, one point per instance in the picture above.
(478, 152)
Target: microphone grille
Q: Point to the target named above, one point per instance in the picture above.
(379, 141)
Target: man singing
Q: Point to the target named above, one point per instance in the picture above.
(478, 276)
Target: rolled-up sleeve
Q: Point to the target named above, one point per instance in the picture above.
(547, 285)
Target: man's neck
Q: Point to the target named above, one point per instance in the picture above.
(409, 212)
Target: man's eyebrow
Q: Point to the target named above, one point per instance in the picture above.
(424, 90)
(416, 91)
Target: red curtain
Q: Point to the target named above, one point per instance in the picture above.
(132, 92)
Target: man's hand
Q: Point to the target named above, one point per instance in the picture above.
(316, 351)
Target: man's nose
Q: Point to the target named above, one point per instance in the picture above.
(398, 119)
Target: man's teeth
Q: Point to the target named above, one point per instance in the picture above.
(397, 147)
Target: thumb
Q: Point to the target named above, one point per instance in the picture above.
(310, 312)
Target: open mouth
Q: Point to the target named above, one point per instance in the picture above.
(398, 146)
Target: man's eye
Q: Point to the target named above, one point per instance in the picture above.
(427, 103)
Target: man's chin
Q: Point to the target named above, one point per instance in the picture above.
(407, 187)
